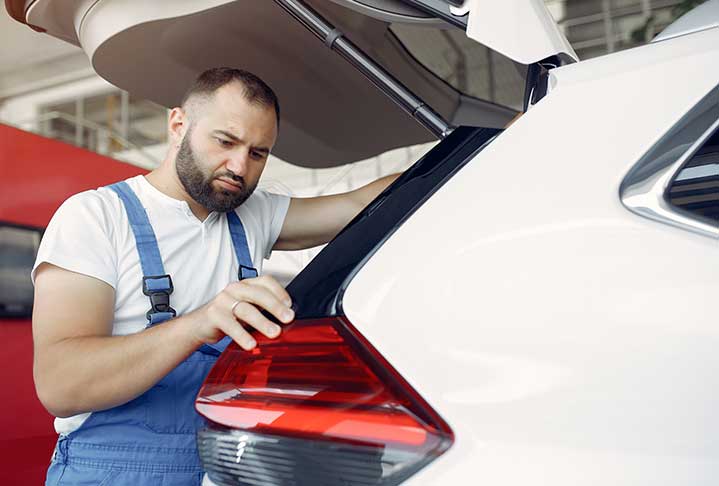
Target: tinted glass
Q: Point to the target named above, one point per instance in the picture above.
(467, 66)
(696, 187)
(18, 248)
(686, 156)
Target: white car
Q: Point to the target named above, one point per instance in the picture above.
(535, 305)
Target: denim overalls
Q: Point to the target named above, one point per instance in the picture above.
(151, 439)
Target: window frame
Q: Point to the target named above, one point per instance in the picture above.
(645, 189)
(25, 313)
(318, 290)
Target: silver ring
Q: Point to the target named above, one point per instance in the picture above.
(232, 309)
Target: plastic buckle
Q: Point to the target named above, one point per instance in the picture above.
(246, 272)
(158, 288)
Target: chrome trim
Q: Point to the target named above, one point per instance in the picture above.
(644, 189)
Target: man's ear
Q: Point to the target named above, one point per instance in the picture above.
(176, 126)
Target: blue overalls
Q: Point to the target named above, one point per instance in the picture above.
(151, 439)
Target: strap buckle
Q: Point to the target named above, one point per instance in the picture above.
(158, 288)
(246, 272)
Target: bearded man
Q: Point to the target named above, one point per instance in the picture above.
(186, 241)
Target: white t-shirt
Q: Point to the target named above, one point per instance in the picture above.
(90, 234)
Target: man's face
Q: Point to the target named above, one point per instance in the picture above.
(225, 148)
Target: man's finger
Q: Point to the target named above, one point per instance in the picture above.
(263, 298)
(249, 314)
(238, 334)
(271, 284)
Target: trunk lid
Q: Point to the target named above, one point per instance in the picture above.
(470, 64)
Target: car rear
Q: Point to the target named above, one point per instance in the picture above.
(561, 338)
(498, 315)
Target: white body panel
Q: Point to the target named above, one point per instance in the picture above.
(565, 339)
(522, 30)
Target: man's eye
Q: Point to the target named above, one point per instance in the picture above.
(257, 155)
(224, 143)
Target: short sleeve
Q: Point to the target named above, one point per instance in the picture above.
(271, 210)
(79, 238)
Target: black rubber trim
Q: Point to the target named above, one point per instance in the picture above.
(317, 291)
(537, 80)
(12, 224)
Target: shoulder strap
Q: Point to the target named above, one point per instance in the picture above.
(145, 240)
(156, 284)
(246, 270)
(242, 250)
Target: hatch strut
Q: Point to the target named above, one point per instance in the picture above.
(334, 39)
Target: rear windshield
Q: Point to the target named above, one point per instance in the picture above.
(467, 66)
(696, 187)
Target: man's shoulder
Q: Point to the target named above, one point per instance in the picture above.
(263, 198)
(94, 203)
(263, 205)
(82, 235)
(91, 199)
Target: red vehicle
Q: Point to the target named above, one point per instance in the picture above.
(36, 175)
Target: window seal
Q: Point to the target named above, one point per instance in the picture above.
(318, 290)
(11, 224)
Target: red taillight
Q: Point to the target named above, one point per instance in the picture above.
(320, 385)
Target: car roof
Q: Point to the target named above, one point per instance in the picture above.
(704, 16)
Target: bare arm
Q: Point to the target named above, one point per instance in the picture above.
(314, 221)
(80, 367)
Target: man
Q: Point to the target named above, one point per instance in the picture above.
(122, 379)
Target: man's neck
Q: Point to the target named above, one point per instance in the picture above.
(169, 184)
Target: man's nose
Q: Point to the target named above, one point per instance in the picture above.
(237, 162)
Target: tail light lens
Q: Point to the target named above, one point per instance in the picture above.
(319, 405)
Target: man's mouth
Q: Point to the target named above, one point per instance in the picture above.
(229, 184)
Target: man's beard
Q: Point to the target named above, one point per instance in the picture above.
(199, 187)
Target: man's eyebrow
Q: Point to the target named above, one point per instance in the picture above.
(229, 135)
(236, 139)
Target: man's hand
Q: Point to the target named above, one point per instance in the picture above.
(238, 304)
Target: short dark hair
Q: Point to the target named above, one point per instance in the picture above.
(255, 90)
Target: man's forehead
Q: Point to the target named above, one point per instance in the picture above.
(229, 109)
(229, 105)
